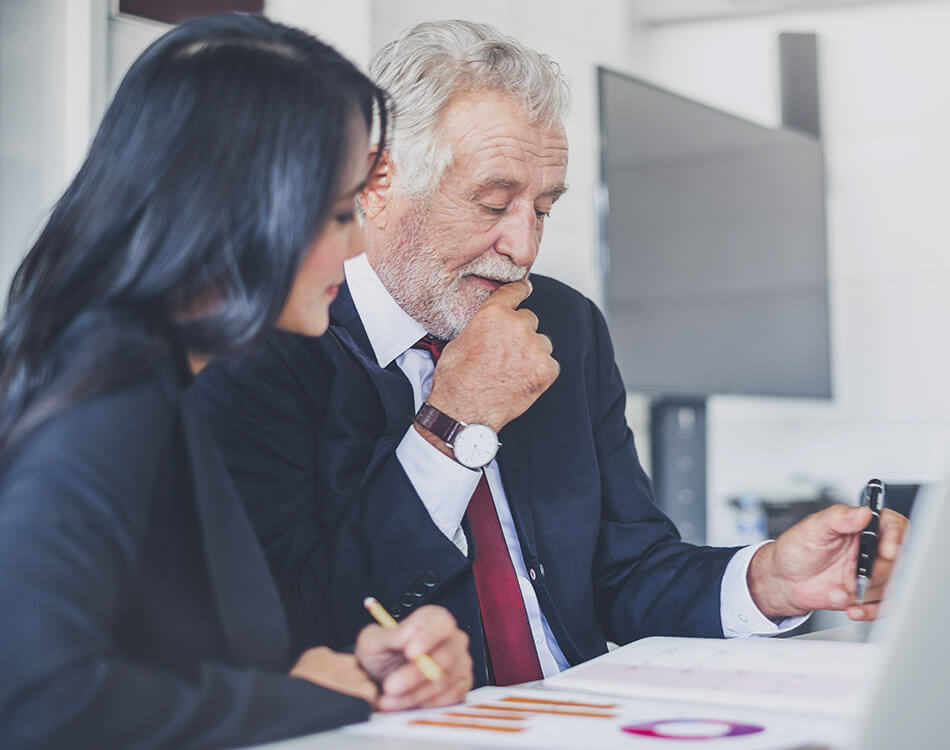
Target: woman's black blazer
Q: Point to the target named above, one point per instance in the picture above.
(136, 608)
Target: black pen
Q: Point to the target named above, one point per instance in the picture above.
(873, 497)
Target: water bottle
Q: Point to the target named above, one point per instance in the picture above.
(750, 519)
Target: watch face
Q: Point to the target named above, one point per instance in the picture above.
(475, 445)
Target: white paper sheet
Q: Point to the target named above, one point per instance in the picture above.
(541, 718)
(775, 674)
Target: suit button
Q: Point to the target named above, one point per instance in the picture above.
(418, 591)
(397, 611)
(430, 579)
(533, 574)
(407, 600)
(541, 569)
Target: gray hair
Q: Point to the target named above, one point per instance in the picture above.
(431, 63)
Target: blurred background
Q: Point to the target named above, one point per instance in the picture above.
(880, 79)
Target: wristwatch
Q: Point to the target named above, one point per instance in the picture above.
(473, 445)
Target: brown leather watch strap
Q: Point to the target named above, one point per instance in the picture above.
(438, 423)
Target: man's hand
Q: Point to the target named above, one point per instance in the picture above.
(498, 365)
(387, 656)
(813, 565)
(340, 672)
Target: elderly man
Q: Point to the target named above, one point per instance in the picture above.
(370, 461)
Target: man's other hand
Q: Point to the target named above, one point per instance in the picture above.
(813, 565)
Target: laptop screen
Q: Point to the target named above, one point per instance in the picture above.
(908, 700)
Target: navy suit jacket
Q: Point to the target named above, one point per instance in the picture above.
(308, 428)
(137, 607)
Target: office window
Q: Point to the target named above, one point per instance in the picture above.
(176, 11)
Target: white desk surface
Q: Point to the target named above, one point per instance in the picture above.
(344, 741)
(347, 741)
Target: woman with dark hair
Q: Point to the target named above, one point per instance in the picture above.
(217, 200)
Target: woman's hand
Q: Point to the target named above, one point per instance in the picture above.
(387, 654)
(340, 672)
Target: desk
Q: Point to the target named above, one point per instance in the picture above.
(853, 632)
(337, 738)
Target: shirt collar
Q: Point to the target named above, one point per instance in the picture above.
(388, 327)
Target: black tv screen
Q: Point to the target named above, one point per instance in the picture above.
(717, 278)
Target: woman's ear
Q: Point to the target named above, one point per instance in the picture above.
(377, 196)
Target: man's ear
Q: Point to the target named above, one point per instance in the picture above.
(376, 198)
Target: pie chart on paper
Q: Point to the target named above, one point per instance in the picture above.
(692, 729)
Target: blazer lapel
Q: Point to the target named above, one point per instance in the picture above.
(516, 462)
(249, 608)
(393, 387)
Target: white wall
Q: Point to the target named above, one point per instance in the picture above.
(345, 25)
(128, 38)
(52, 79)
(884, 78)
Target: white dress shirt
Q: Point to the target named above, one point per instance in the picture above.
(445, 486)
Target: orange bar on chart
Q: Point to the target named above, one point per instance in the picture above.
(464, 725)
(558, 711)
(549, 702)
(474, 715)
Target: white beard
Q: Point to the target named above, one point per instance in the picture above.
(412, 272)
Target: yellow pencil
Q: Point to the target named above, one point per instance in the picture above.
(426, 664)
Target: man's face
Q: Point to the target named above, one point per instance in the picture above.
(446, 253)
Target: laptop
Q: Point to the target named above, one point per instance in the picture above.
(909, 694)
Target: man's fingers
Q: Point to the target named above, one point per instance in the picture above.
(529, 317)
(893, 529)
(860, 612)
(511, 294)
(843, 519)
(880, 576)
(839, 596)
(546, 343)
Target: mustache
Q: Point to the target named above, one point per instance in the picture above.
(495, 268)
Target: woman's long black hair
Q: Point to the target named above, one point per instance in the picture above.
(211, 174)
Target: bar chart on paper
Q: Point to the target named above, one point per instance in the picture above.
(541, 718)
(783, 675)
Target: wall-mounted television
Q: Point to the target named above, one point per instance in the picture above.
(716, 275)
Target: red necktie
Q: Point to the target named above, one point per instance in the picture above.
(508, 639)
